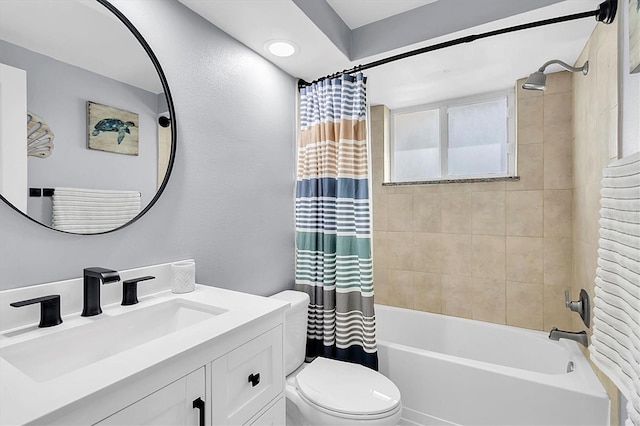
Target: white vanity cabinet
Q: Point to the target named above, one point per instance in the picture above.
(226, 350)
(245, 387)
(171, 405)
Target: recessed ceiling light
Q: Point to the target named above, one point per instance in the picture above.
(282, 48)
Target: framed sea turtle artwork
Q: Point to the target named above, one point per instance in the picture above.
(112, 129)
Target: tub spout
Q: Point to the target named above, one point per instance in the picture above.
(580, 337)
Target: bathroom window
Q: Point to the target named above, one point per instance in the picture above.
(457, 139)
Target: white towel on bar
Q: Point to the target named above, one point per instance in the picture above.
(90, 211)
(615, 344)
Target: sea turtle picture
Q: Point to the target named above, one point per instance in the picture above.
(113, 125)
(112, 129)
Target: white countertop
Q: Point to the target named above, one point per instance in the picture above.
(23, 400)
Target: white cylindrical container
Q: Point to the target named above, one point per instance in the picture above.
(183, 276)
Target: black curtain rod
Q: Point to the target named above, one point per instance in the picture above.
(605, 13)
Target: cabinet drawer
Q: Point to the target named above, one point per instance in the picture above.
(274, 416)
(247, 379)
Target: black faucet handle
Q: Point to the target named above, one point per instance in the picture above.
(130, 290)
(49, 309)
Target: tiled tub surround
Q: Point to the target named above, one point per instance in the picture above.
(595, 130)
(495, 251)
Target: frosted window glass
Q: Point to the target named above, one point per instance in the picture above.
(416, 151)
(478, 138)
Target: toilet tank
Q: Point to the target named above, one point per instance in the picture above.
(295, 328)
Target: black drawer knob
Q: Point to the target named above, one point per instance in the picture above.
(254, 379)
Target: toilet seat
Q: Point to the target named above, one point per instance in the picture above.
(347, 390)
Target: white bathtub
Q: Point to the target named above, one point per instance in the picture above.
(454, 371)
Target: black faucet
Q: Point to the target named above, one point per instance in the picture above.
(91, 287)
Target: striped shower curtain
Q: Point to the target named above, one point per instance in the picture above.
(333, 221)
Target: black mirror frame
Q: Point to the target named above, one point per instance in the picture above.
(172, 115)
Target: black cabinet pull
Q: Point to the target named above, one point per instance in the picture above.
(254, 379)
(49, 309)
(199, 404)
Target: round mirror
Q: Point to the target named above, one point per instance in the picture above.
(88, 131)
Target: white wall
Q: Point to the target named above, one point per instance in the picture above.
(13, 156)
(229, 202)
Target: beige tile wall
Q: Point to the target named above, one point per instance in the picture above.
(595, 144)
(499, 251)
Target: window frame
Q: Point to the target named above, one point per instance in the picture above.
(443, 108)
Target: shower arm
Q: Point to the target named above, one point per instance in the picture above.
(584, 68)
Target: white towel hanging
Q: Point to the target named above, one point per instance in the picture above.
(90, 211)
(615, 345)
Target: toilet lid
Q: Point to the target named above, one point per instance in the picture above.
(347, 388)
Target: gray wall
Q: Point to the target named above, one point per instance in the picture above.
(58, 93)
(229, 202)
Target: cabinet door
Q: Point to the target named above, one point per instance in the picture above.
(247, 379)
(171, 405)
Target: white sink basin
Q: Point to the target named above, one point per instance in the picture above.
(53, 355)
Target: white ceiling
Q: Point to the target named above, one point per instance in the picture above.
(333, 35)
(482, 66)
(356, 13)
(81, 33)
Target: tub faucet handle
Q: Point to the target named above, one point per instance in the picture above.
(575, 306)
(580, 306)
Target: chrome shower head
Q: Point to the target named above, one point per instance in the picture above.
(538, 80)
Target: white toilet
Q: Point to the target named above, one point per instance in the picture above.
(326, 391)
